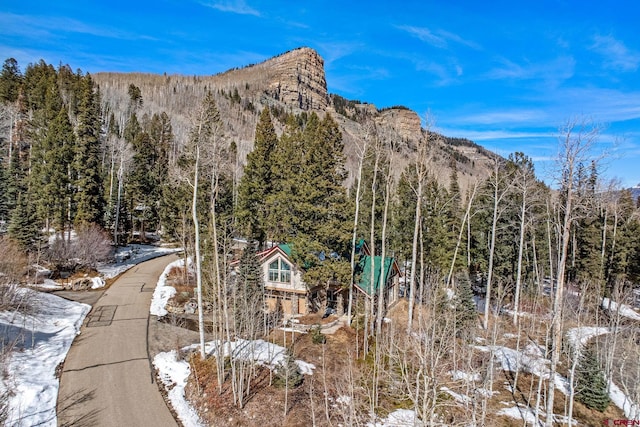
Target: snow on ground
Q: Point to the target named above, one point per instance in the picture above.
(261, 352)
(462, 375)
(624, 310)
(128, 256)
(399, 418)
(579, 337)
(528, 415)
(162, 292)
(174, 374)
(43, 340)
(97, 282)
(530, 359)
(460, 398)
(631, 410)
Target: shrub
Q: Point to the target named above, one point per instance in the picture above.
(91, 246)
(13, 261)
(287, 373)
(317, 337)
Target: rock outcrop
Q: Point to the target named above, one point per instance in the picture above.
(292, 82)
(404, 121)
(297, 78)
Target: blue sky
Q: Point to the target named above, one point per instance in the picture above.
(505, 74)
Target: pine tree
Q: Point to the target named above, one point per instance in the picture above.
(282, 221)
(10, 80)
(591, 387)
(287, 373)
(4, 190)
(56, 192)
(89, 199)
(23, 226)
(465, 307)
(255, 186)
(249, 294)
(49, 126)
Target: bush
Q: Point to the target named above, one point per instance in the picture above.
(91, 246)
(13, 261)
(287, 373)
(591, 387)
(317, 337)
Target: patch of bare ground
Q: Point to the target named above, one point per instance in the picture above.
(316, 319)
(340, 372)
(307, 404)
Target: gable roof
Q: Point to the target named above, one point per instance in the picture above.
(364, 268)
(282, 248)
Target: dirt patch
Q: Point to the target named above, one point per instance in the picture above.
(316, 319)
(170, 336)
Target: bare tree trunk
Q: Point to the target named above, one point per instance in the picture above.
(414, 254)
(355, 232)
(465, 218)
(196, 229)
(575, 148)
(516, 300)
(492, 246)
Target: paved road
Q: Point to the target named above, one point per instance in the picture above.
(107, 378)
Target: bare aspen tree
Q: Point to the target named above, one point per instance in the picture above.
(383, 270)
(362, 153)
(422, 168)
(577, 139)
(372, 246)
(466, 218)
(524, 186)
(499, 184)
(200, 142)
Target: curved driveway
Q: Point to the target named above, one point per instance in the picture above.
(107, 378)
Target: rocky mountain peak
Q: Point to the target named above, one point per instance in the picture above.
(297, 78)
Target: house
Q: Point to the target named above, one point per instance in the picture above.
(283, 281)
(284, 285)
(390, 278)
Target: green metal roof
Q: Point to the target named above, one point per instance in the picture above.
(364, 268)
(286, 248)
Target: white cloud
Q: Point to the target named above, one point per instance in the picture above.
(45, 26)
(233, 6)
(332, 51)
(616, 55)
(438, 38)
(518, 117)
(561, 68)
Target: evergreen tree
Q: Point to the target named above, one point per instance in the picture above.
(56, 192)
(249, 290)
(465, 307)
(403, 214)
(330, 210)
(4, 190)
(591, 387)
(89, 199)
(256, 184)
(10, 80)
(23, 226)
(45, 153)
(287, 373)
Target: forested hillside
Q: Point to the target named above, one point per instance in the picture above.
(492, 258)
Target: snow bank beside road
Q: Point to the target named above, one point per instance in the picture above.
(162, 293)
(43, 339)
(174, 374)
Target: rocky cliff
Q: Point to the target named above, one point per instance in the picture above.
(297, 78)
(294, 81)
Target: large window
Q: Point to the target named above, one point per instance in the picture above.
(279, 271)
